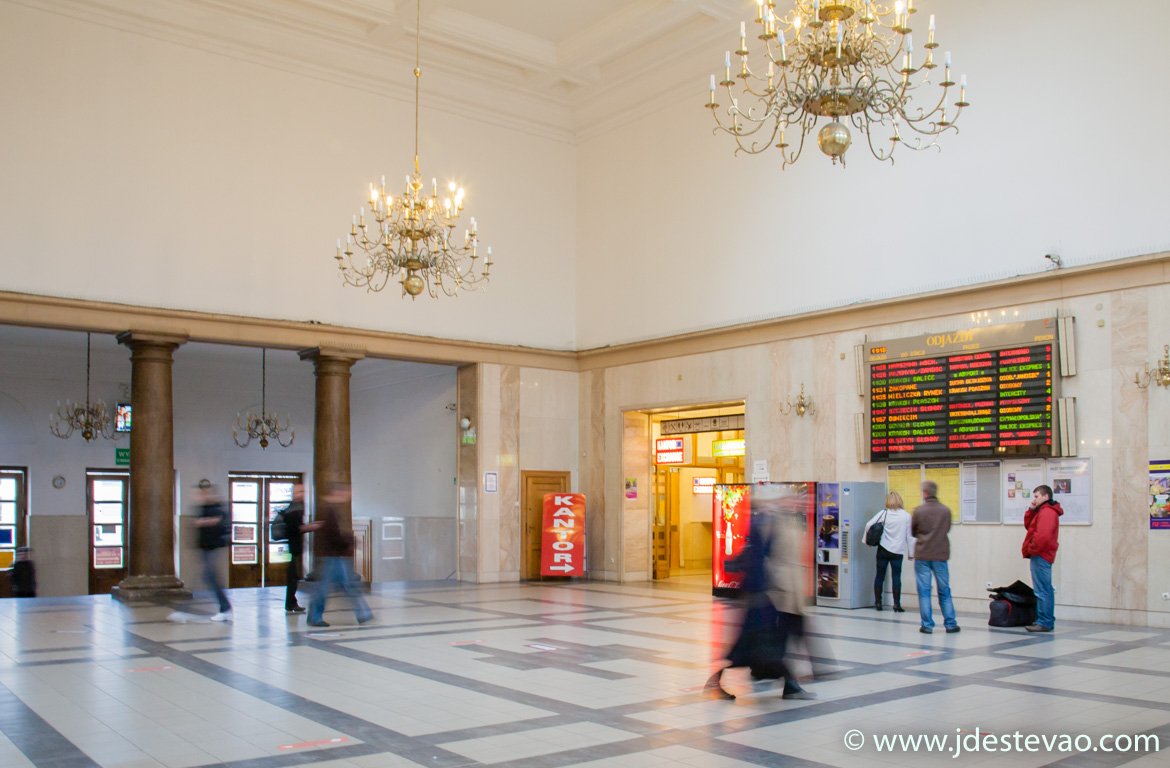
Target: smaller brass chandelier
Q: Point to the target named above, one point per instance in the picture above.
(847, 61)
(412, 237)
(263, 427)
(803, 405)
(1160, 374)
(91, 419)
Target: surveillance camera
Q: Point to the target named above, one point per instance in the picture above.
(1055, 259)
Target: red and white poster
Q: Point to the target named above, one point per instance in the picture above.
(562, 545)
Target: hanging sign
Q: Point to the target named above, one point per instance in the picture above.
(670, 450)
(562, 545)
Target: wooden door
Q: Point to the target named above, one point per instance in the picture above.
(535, 485)
(108, 500)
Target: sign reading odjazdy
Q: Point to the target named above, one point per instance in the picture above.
(967, 392)
(562, 545)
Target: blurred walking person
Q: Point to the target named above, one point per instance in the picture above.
(23, 575)
(768, 618)
(214, 534)
(333, 555)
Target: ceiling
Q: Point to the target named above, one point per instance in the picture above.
(563, 68)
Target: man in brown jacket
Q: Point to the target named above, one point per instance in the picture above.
(930, 525)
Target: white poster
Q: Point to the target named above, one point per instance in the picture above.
(1071, 481)
(979, 492)
(1018, 478)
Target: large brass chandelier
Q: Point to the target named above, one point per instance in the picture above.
(411, 237)
(91, 420)
(849, 61)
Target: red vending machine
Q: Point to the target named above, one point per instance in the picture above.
(733, 508)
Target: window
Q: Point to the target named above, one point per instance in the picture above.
(13, 485)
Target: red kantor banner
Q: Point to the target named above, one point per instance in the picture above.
(562, 546)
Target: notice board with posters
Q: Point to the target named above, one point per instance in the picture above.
(562, 543)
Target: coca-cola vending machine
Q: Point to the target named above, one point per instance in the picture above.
(733, 508)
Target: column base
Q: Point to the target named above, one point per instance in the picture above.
(150, 589)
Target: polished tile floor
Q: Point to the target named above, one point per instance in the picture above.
(588, 674)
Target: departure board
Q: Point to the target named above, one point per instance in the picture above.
(973, 402)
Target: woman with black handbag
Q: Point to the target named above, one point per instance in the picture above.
(889, 531)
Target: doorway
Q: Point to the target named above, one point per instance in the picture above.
(254, 499)
(107, 495)
(692, 450)
(534, 486)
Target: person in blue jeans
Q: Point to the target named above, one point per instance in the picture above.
(930, 525)
(333, 554)
(1042, 523)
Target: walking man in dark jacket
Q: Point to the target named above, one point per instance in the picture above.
(1042, 523)
(930, 525)
(294, 517)
(333, 557)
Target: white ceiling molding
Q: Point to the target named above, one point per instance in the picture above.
(581, 85)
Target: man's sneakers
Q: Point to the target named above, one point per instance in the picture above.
(222, 616)
(294, 609)
(318, 623)
(1037, 628)
(952, 630)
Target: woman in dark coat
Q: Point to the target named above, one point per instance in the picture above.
(763, 636)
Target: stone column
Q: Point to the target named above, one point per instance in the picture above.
(152, 471)
(331, 424)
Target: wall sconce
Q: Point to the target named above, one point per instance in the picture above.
(1160, 374)
(802, 405)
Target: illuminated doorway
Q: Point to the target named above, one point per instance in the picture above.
(692, 450)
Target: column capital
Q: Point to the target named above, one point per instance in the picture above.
(133, 338)
(333, 354)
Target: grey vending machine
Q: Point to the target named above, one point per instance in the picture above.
(844, 567)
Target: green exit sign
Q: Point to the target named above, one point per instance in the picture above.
(121, 457)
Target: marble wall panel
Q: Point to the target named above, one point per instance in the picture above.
(467, 473)
(429, 551)
(1129, 321)
(635, 529)
(591, 428)
(510, 542)
(63, 541)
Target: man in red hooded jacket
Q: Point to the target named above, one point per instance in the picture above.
(1042, 523)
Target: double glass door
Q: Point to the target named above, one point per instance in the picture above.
(254, 499)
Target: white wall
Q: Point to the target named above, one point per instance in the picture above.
(1047, 160)
(146, 172)
(403, 462)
